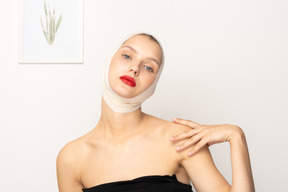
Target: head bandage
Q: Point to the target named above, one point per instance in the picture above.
(126, 105)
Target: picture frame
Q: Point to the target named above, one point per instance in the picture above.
(50, 31)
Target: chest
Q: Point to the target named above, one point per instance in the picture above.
(108, 163)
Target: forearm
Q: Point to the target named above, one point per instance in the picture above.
(242, 179)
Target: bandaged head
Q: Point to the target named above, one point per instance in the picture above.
(125, 105)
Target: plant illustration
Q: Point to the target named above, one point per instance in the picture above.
(51, 25)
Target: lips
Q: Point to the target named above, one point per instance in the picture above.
(128, 80)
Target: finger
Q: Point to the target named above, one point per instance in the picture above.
(184, 135)
(186, 122)
(198, 146)
(188, 143)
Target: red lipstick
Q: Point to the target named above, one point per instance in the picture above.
(128, 80)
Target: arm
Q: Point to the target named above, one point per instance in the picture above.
(242, 179)
(202, 135)
(67, 171)
(203, 173)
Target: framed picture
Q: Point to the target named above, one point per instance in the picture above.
(50, 31)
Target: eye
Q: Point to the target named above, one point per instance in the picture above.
(126, 56)
(148, 68)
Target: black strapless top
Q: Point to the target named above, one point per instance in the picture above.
(153, 183)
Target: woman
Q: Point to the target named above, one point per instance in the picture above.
(129, 150)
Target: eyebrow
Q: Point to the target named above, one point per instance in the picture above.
(129, 47)
(132, 49)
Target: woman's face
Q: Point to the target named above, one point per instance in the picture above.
(134, 66)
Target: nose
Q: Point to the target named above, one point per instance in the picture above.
(134, 69)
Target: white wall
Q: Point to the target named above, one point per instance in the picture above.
(226, 62)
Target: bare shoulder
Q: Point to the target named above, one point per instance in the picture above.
(71, 150)
(169, 127)
(69, 165)
(198, 165)
(72, 155)
(202, 154)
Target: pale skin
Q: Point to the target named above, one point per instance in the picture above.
(206, 135)
(124, 146)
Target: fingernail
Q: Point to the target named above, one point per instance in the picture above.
(178, 148)
(172, 138)
(190, 153)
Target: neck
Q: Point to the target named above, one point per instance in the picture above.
(117, 124)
